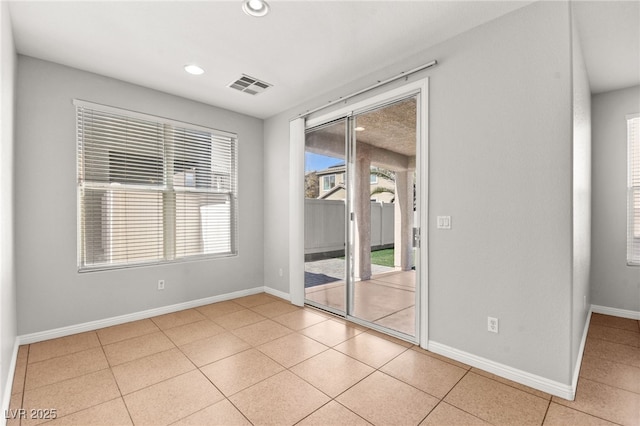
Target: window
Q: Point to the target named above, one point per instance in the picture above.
(633, 190)
(328, 182)
(152, 190)
(373, 179)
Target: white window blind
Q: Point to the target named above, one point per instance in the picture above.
(633, 190)
(152, 190)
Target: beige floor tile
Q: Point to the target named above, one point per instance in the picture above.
(370, 349)
(330, 295)
(604, 401)
(138, 347)
(184, 334)
(275, 308)
(211, 349)
(349, 323)
(333, 414)
(221, 413)
(332, 372)
(239, 319)
(125, 331)
(445, 414)
(624, 354)
(175, 319)
(262, 332)
(62, 346)
(513, 384)
(611, 373)
(283, 399)
(292, 349)
(172, 400)
(73, 395)
(405, 279)
(441, 358)
(559, 415)
(327, 315)
(331, 332)
(389, 338)
(65, 367)
(424, 372)
(255, 300)
(21, 370)
(403, 321)
(14, 414)
(300, 319)
(495, 402)
(615, 335)
(111, 413)
(219, 309)
(140, 373)
(373, 301)
(615, 322)
(383, 400)
(241, 370)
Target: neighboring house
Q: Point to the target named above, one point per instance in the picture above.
(331, 182)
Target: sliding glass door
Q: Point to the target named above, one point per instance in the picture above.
(361, 212)
(325, 180)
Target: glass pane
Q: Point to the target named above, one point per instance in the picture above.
(324, 211)
(384, 206)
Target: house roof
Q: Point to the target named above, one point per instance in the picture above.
(338, 187)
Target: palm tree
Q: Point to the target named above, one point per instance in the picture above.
(387, 175)
(391, 177)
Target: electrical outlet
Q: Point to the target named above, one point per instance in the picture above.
(280, 271)
(492, 324)
(160, 284)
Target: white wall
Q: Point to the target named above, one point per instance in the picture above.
(613, 283)
(51, 293)
(500, 164)
(7, 272)
(581, 195)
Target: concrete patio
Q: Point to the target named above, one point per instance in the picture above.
(387, 299)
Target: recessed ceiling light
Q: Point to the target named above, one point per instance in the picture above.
(193, 69)
(359, 129)
(255, 7)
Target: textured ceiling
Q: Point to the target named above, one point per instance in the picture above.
(388, 137)
(392, 128)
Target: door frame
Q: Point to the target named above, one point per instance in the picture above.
(296, 191)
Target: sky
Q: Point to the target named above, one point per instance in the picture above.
(313, 162)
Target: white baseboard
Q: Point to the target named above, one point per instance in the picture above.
(108, 322)
(623, 313)
(583, 342)
(6, 397)
(277, 293)
(537, 382)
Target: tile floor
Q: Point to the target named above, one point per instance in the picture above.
(260, 360)
(387, 299)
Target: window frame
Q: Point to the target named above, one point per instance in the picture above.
(169, 252)
(327, 178)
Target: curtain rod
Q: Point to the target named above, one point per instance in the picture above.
(366, 89)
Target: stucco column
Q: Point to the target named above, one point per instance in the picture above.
(362, 214)
(403, 220)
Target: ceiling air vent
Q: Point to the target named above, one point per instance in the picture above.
(249, 85)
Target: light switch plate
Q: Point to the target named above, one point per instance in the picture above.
(444, 222)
